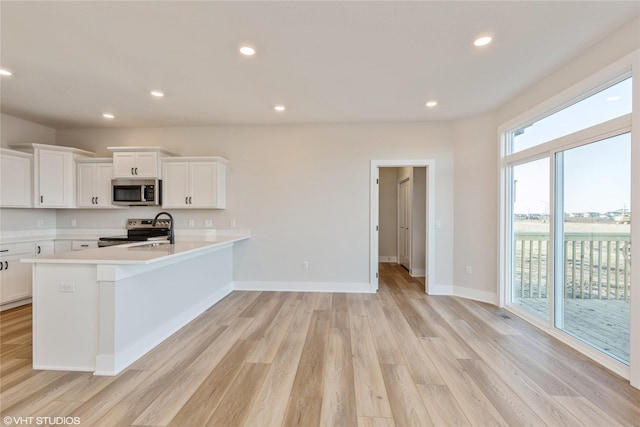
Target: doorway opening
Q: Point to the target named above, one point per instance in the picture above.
(402, 217)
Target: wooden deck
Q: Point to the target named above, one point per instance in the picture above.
(267, 359)
(602, 323)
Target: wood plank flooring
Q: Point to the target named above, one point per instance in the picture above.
(397, 358)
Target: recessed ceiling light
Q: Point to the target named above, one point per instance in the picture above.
(247, 50)
(108, 115)
(613, 98)
(157, 93)
(482, 41)
(4, 72)
(431, 104)
(279, 108)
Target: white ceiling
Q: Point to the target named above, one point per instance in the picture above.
(326, 61)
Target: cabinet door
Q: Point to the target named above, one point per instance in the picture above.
(46, 247)
(53, 179)
(124, 165)
(203, 185)
(104, 173)
(86, 184)
(62, 246)
(146, 165)
(175, 185)
(15, 283)
(15, 181)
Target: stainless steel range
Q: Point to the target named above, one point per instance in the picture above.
(139, 230)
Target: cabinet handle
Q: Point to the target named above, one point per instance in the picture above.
(84, 246)
(4, 250)
(6, 265)
(96, 200)
(39, 250)
(131, 171)
(186, 200)
(136, 171)
(41, 199)
(189, 199)
(1, 266)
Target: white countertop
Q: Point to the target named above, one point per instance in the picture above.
(142, 252)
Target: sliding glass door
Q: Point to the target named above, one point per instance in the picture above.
(593, 244)
(566, 220)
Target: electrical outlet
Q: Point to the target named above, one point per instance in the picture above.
(305, 265)
(467, 270)
(74, 223)
(40, 223)
(233, 223)
(67, 287)
(208, 223)
(192, 223)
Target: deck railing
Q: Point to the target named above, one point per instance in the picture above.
(596, 265)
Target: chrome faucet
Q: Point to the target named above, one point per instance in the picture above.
(172, 239)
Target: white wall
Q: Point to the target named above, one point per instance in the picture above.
(16, 131)
(303, 190)
(476, 208)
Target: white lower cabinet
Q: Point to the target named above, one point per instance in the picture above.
(15, 276)
(46, 247)
(62, 246)
(193, 183)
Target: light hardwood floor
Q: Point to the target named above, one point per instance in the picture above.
(269, 359)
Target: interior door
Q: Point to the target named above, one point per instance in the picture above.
(404, 220)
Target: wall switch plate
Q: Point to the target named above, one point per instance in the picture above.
(74, 223)
(467, 270)
(305, 265)
(233, 223)
(192, 223)
(40, 223)
(208, 223)
(67, 287)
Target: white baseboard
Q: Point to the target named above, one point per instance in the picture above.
(439, 289)
(15, 304)
(393, 259)
(418, 272)
(458, 291)
(476, 295)
(338, 287)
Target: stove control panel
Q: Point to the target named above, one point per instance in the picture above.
(139, 223)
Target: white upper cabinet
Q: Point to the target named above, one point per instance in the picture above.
(137, 162)
(54, 172)
(93, 183)
(15, 179)
(193, 183)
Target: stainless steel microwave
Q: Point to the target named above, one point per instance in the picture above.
(136, 192)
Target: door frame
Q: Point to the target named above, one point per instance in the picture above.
(430, 226)
(409, 182)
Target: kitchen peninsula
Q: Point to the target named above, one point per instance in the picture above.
(101, 309)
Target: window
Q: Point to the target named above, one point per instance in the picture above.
(566, 222)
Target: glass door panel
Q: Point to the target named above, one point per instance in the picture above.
(593, 244)
(530, 238)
